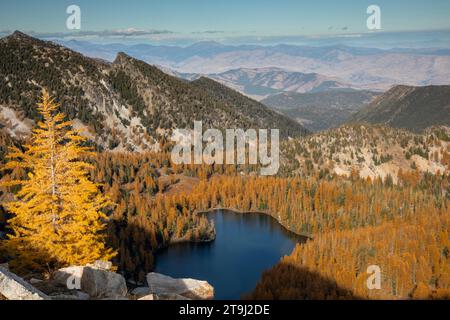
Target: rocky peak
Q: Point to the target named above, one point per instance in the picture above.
(22, 38)
(20, 35)
(122, 58)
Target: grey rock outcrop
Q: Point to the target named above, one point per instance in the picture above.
(102, 265)
(149, 297)
(12, 287)
(163, 286)
(103, 284)
(164, 297)
(144, 293)
(77, 295)
(140, 292)
(94, 280)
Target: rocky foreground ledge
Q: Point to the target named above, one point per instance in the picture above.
(98, 282)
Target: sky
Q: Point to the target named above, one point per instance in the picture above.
(218, 19)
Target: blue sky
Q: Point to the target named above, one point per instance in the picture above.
(261, 17)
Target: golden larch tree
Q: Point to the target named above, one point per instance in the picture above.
(57, 212)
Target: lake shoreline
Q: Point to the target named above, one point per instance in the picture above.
(246, 245)
(267, 213)
(212, 235)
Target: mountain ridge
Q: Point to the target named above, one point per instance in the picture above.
(260, 83)
(409, 107)
(371, 151)
(124, 105)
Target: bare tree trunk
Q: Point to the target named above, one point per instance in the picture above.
(53, 176)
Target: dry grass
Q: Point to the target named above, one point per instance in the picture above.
(180, 184)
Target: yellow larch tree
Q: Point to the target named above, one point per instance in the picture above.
(57, 212)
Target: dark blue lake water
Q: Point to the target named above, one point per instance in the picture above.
(245, 246)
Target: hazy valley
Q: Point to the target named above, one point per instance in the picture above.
(366, 68)
(321, 110)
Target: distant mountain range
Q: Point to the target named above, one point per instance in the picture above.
(123, 105)
(263, 82)
(366, 68)
(413, 108)
(321, 110)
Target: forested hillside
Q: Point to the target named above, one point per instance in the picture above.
(371, 150)
(353, 223)
(252, 108)
(413, 108)
(127, 105)
(156, 201)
